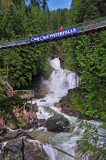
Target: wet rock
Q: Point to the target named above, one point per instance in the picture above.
(34, 150)
(21, 148)
(57, 104)
(46, 74)
(41, 135)
(35, 124)
(57, 124)
(43, 101)
(14, 133)
(41, 122)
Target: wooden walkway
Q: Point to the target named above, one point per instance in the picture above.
(24, 94)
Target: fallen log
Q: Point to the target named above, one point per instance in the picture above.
(77, 158)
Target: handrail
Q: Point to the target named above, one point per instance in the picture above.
(100, 22)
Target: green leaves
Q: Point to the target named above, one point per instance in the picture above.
(92, 142)
(85, 55)
(6, 108)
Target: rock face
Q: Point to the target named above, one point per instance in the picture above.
(57, 124)
(68, 108)
(19, 149)
(14, 133)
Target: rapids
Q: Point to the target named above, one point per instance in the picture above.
(58, 84)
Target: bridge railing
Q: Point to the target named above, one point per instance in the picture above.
(91, 24)
(13, 42)
(81, 27)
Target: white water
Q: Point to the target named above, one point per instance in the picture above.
(58, 84)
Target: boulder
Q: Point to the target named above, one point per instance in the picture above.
(57, 124)
(14, 133)
(57, 105)
(22, 148)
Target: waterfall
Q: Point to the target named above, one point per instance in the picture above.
(58, 84)
(60, 80)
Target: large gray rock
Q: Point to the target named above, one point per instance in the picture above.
(21, 148)
(14, 133)
(57, 124)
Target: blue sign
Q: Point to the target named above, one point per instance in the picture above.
(54, 35)
(27, 2)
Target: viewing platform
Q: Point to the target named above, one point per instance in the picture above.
(24, 94)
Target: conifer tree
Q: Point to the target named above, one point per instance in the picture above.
(44, 4)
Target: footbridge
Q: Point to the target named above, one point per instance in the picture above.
(76, 30)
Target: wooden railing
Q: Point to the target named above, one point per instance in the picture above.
(24, 94)
(9, 90)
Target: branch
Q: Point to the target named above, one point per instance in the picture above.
(77, 158)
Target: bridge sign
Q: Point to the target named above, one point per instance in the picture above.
(27, 2)
(54, 35)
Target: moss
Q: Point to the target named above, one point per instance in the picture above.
(16, 156)
(7, 158)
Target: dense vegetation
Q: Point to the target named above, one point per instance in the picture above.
(84, 54)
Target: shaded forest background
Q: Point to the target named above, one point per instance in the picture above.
(84, 54)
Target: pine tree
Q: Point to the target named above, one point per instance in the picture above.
(44, 4)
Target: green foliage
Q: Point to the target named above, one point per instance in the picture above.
(44, 4)
(91, 142)
(6, 108)
(0, 4)
(85, 10)
(7, 158)
(86, 56)
(2, 84)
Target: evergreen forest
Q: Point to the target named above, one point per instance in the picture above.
(84, 54)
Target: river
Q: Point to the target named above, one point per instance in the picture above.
(58, 84)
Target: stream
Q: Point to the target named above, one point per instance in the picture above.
(58, 84)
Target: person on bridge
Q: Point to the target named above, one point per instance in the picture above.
(61, 28)
(30, 35)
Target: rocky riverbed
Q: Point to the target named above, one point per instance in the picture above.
(20, 143)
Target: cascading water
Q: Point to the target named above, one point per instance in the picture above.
(60, 80)
(58, 84)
